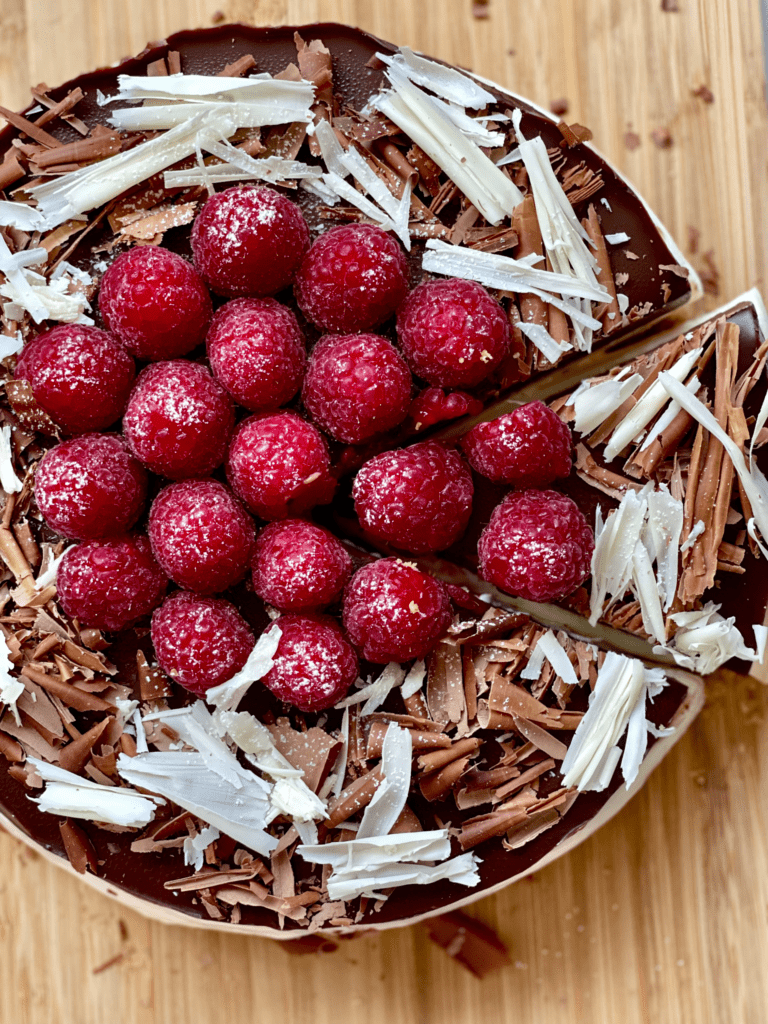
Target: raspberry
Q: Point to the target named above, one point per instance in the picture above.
(314, 664)
(538, 545)
(452, 332)
(257, 352)
(298, 566)
(179, 419)
(433, 405)
(249, 241)
(278, 465)
(110, 584)
(356, 386)
(201, 535)
(395, 612)
(352, 279)
(418, 499)
(81, 376)
(200, 641)
(155, 303)
(91, 486)
(529, 447)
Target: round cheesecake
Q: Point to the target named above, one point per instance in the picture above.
(444, 773)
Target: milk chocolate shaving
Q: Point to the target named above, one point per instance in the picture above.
(533, 310)
(478, 830)
(157, 69)
(29, 128)
(60, 109)
(354, 798)
(469, 942)
(313, 752)
(238, 67)
(420, 740)
(70, 695)
(78, 847)
(30, 414)
(525, 778)
(605, 271)
(10, 749)
(437, 759)
(544, 740)
(575, 133)
(73, 757)
(98, 147)
(438, 784)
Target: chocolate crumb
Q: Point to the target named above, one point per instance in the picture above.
(694, 236)
(481, 9)
(472, 944)
(662, 137)
(670, 6)
(112, 962)
(631, 140)
(217, 17)
(710, 275)
(559, 107)
(704, 93)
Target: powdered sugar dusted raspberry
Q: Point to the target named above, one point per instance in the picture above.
(256, 350)
(314, 664)
(249, 241)
(353, 278)
(91, 486)
(298, 566)
(356, 386)
(278, 464)
(537, 545)
(201, 535)
(200, 641)
(111, 583)
(155, 303)
(179, 420)
(452, 332)
(418, 499)
(395, 612)
(80, 375)
(529, 447)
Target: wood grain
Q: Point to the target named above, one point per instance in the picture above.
(660, 918)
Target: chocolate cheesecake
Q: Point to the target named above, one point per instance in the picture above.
(437, 778)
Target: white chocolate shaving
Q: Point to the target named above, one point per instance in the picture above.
(226, 696)
(375, 693)
(71, 796)
(543, 340)
(9, 482)
(555, 654)
(449, 83)
(389, 799)
(620, 693)
(593, 405)
(185, 777)
(11, 687)
(422, 118)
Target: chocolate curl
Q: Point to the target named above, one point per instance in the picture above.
(239, 67)
(715, 482)
(488, 826)
(469, 942)
(10, 170)
(606, 480)
(98, 147)
(70, 695)
(437, 759)
(420, 740)
(645, 463)
(355, 797)
(153, 682)
(56, 109)
(157, 69)
(78, 847)
(557, 324)
(508, 788)
(73, 757)
(174, 62)
(511, 699)
(470, 683)
(533, 310)
(605, 271)
(397, 161)
(14, 558)
(10, 748)
(29, 128)
(436, 786)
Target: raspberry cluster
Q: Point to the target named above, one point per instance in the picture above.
(184, 428)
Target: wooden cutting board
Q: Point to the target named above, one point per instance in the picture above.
(661, 918)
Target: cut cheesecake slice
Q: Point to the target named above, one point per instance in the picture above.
(669, 467)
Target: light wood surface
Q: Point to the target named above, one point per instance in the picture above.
(660, 918)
